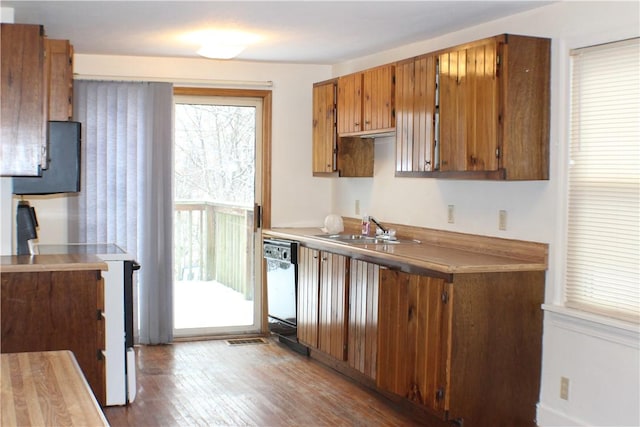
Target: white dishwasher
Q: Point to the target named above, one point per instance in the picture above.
(120, 363)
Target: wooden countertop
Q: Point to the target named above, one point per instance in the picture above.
(35, 263)
(46, 389)
(438, 251)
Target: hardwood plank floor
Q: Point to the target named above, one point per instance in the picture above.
(205, 383)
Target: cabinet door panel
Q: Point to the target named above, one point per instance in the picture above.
(308, 281)
(424, 108)
(332, 327)
(350, 103)
(60, 76)
(452, 110)
(405, 100)
(413, 338)
(363, 317)
(415, 108)
(469, 108)
(394, 347)
(24, 100)
(324, 130)
(378, 95)
(482, 117)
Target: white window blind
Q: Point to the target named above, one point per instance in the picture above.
(603, 247)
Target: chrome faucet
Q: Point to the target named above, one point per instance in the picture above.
(373, 220)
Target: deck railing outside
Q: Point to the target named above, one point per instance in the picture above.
(214, 241)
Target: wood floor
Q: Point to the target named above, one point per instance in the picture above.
(207, 383)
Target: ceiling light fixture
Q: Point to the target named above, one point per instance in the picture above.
(220, 51)
(221, 44)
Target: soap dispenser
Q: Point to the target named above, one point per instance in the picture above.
(366, 225)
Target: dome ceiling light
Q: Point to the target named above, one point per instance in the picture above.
(221, 44)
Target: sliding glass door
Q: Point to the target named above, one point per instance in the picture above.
(217, 173)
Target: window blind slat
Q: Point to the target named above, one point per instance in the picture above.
(603, 249)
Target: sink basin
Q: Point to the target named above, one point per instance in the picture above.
(357, 239)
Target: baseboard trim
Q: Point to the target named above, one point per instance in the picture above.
(550, 417)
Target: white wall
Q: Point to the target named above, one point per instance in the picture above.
(600, 358)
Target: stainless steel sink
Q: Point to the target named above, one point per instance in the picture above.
(357, 239)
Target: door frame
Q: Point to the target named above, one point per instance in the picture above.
(265, 211)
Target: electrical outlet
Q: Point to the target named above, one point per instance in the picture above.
(450, 214)
(357, 207)
(564, 388)
(502, 220)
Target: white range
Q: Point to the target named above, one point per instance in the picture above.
(118, 301)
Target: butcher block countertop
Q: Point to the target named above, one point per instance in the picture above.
(35, 263)
(46, 389)
(439, 251)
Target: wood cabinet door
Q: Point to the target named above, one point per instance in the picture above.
(415, 108)
(332, 319)
(525, 115)
(324, 127)
(363, 317)
(23, 141)
(56, 311)
(350, 103)
(308, 295)
(469, 108)
(378, 98)
(413, 338)
(59, 69)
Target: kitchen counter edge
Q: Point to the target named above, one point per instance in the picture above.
(62, 262)
(457, 260)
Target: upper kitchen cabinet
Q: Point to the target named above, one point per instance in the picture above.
(59, 67)
(415, 115)
(37, 86)
(366, 102)
(348, 156)
(24, 100)
(493, 109)
(324, 127)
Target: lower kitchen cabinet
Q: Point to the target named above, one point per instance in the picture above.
(332, 324)
(322, 277)
(463, 347)
(363, 317)
(308, 295)
(413, 338)
(57, 310)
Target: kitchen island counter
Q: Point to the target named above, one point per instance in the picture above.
(61, 262)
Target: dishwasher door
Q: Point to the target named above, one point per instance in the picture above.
(282, 285)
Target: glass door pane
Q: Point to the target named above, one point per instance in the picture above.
(216, 141)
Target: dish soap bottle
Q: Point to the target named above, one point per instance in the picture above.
(366, 225)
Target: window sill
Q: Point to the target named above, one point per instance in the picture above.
(601, 327)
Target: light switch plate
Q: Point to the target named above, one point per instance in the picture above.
(502, 220)
(450, 214)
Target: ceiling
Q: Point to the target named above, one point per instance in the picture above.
(310, 32)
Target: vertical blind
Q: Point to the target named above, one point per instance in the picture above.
(126, 188)
(603, 242)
